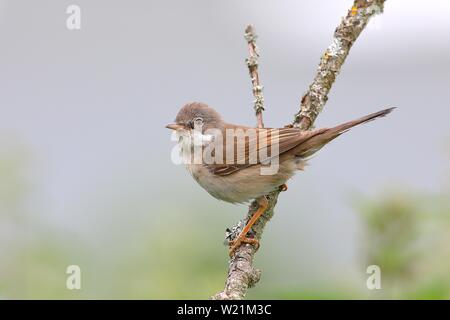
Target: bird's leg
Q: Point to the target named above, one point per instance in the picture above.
(242, 237)
(283, 187)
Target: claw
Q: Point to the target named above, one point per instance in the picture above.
(235, 244)
(242, 237)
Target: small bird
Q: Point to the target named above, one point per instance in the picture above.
(237, 176)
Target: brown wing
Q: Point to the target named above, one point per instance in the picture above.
(252, 146)
(275, 142)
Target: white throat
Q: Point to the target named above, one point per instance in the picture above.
(190, 139)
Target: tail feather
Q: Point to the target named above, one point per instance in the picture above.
(323, 136)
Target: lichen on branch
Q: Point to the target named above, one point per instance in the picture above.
(334, 57)
(241, 272)
(252, 64)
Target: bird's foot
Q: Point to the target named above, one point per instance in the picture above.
(241, 239)
(263, 203)
(283, 187)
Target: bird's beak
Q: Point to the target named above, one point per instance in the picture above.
(175, 126)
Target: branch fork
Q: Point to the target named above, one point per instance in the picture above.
(241, 272)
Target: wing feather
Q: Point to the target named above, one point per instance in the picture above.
(259, 147)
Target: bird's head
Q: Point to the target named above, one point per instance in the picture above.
(198, 116)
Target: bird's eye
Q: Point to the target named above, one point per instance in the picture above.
(198, 122)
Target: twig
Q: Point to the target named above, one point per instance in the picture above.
(252, 63)
(241, 273)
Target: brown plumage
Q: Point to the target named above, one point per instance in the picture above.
(240, 180)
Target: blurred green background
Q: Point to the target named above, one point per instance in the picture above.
(404, 232)
(86, 176)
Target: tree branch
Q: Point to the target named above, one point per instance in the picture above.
(241, 273)
(252, 63)
(332, 60)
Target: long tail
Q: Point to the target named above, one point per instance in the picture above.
(325, 135)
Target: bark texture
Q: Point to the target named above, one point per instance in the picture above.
(241, 272)
(252, 63)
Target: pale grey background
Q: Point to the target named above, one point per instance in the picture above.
(90, 106)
